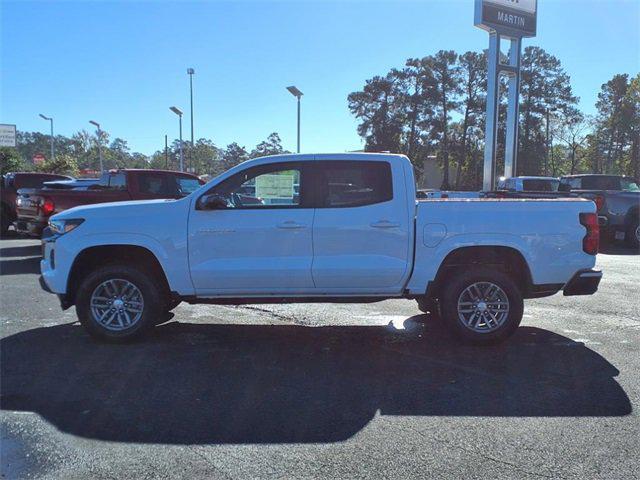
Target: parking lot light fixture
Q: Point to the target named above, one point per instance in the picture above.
(178, 112)
(50, 120)
(191, 72)
(296, 93)
(98, 132)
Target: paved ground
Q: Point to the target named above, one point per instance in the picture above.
(370, 391)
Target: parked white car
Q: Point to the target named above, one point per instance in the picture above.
(353, 233)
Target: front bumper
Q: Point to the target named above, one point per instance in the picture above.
(584, 282)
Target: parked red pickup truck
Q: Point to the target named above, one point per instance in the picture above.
(11, 183)
(35, 206)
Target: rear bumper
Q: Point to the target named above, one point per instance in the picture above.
(29, 227)
(584, 282)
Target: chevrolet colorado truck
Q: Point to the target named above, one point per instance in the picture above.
(35, 206)
(617, 200)
(354, 233)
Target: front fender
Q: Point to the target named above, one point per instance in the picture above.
(171, 255)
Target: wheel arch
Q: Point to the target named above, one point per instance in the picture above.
(506, 259)
(93, 257)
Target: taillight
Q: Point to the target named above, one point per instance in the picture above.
(599, 201)
(47, 207)
(591, 240)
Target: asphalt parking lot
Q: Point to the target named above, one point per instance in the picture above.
(321, 391)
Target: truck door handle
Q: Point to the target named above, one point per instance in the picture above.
(385, 224)
(291, 225)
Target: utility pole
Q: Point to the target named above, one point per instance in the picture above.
(546, 150)
(190, 72)
(97, 125)
(178, 112)
(297, 93)
(166, 153)
(53, 150)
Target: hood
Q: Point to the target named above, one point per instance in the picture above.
(114, 209)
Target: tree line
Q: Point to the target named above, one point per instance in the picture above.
(431, 106)
(80, 152)
(434, 106)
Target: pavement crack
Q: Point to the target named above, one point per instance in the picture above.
(514, 466)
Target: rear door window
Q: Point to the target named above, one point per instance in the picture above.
(341, 184)
(154, 184)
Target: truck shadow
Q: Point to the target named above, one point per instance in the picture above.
(211, 384)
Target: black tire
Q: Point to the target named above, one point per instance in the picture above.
(428, 306)
(171, 304)
(150, 291)
(458, 282)
(5, 221)
(631, 234)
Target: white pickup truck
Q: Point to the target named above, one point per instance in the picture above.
(319, 228)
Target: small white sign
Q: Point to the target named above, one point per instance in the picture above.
(272, 186)
(7, 135)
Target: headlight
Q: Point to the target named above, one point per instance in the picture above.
(60, 227)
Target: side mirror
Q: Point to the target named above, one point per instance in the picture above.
(212, 202)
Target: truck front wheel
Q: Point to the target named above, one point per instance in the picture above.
(482, 305)
(118, 303)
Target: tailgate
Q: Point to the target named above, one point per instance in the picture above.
(28, 205)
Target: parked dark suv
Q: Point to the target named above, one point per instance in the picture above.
(618, 201)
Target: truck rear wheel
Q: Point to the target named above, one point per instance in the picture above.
(117, 303)
(482, 305)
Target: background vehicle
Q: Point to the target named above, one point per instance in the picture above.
(76, 183)
(35, 206)
(355, 233)
(529, 184)
(11, 183)
(618, 202)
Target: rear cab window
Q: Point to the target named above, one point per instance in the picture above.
(540, 185)
(152, 183)
(114, 181)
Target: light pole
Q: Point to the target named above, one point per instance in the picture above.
(178, 112)
(190, 72)
(296, 93)
(53, 150)
(98, 131)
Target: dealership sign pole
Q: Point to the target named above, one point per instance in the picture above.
(513, 20)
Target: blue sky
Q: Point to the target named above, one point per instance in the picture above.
(124, 63)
